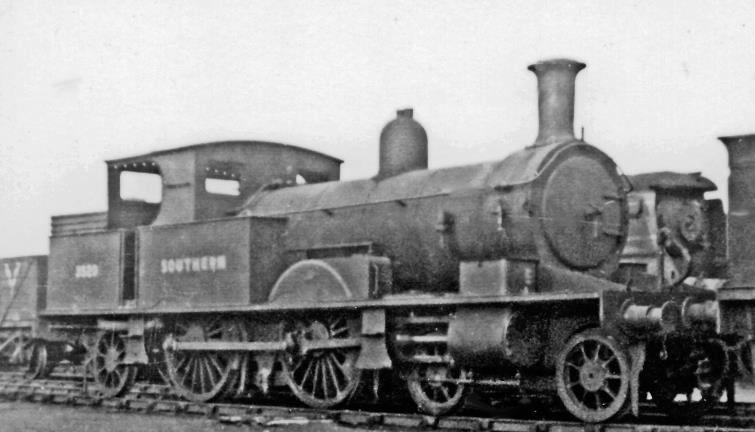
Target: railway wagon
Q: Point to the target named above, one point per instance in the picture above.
(253, 267)
(22, 293)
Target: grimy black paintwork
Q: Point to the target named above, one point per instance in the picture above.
(503, 275)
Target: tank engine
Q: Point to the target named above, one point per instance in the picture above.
(492, 276)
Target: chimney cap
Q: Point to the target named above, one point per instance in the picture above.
(557, 63)
(406, 112)
(738, 138)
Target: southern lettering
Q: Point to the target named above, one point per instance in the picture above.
(210, 263)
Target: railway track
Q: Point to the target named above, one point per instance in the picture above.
(159, 399)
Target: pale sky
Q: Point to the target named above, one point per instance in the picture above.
(85, 81)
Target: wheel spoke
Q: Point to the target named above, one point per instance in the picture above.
(333, 376)
(215, 332)
(215, 365)
(299, 364)
(201, 371)
(585, 357)
(610, 359)
(203, 374)
(609, 392)
(598, 403)
(188, 370)
(182, 362)
(207, 370)
(195, 373)
(316, 378)
(445, 390)
(324, 378)
(343, 367)
(213, 326)
(307, 372)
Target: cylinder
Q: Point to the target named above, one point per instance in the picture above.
(741, 229)
(403, 145)
(555, 89)
(491, 337)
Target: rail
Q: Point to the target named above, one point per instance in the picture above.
(159, 399)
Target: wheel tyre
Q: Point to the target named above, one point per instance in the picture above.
(592, 377)
(39, 365)
(327, 379)
(436, 398)
(114, 377)
(205, 376)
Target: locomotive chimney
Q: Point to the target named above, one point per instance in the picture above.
(555, 88)
(403, 145)
(741, 227)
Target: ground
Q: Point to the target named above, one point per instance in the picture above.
(31, 417)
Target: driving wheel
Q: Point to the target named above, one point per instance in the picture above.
(201, 376)
(323, 378)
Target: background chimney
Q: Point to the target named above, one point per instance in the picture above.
(555, 88)
(741, 227)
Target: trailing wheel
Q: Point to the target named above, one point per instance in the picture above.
(200, 376)
(592, 377)
(114, 377)
(323, 378)
(435, 388)
(39, 364)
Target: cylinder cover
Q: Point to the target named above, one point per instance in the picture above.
(494, 337)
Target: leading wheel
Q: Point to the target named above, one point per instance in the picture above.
(592, 377)
(114, 377)
(435, 388)
(323, 378)
(200, 376)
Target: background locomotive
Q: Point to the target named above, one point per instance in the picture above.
(679, 237)
(492, 275)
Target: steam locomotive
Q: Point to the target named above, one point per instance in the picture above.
(503, 276)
